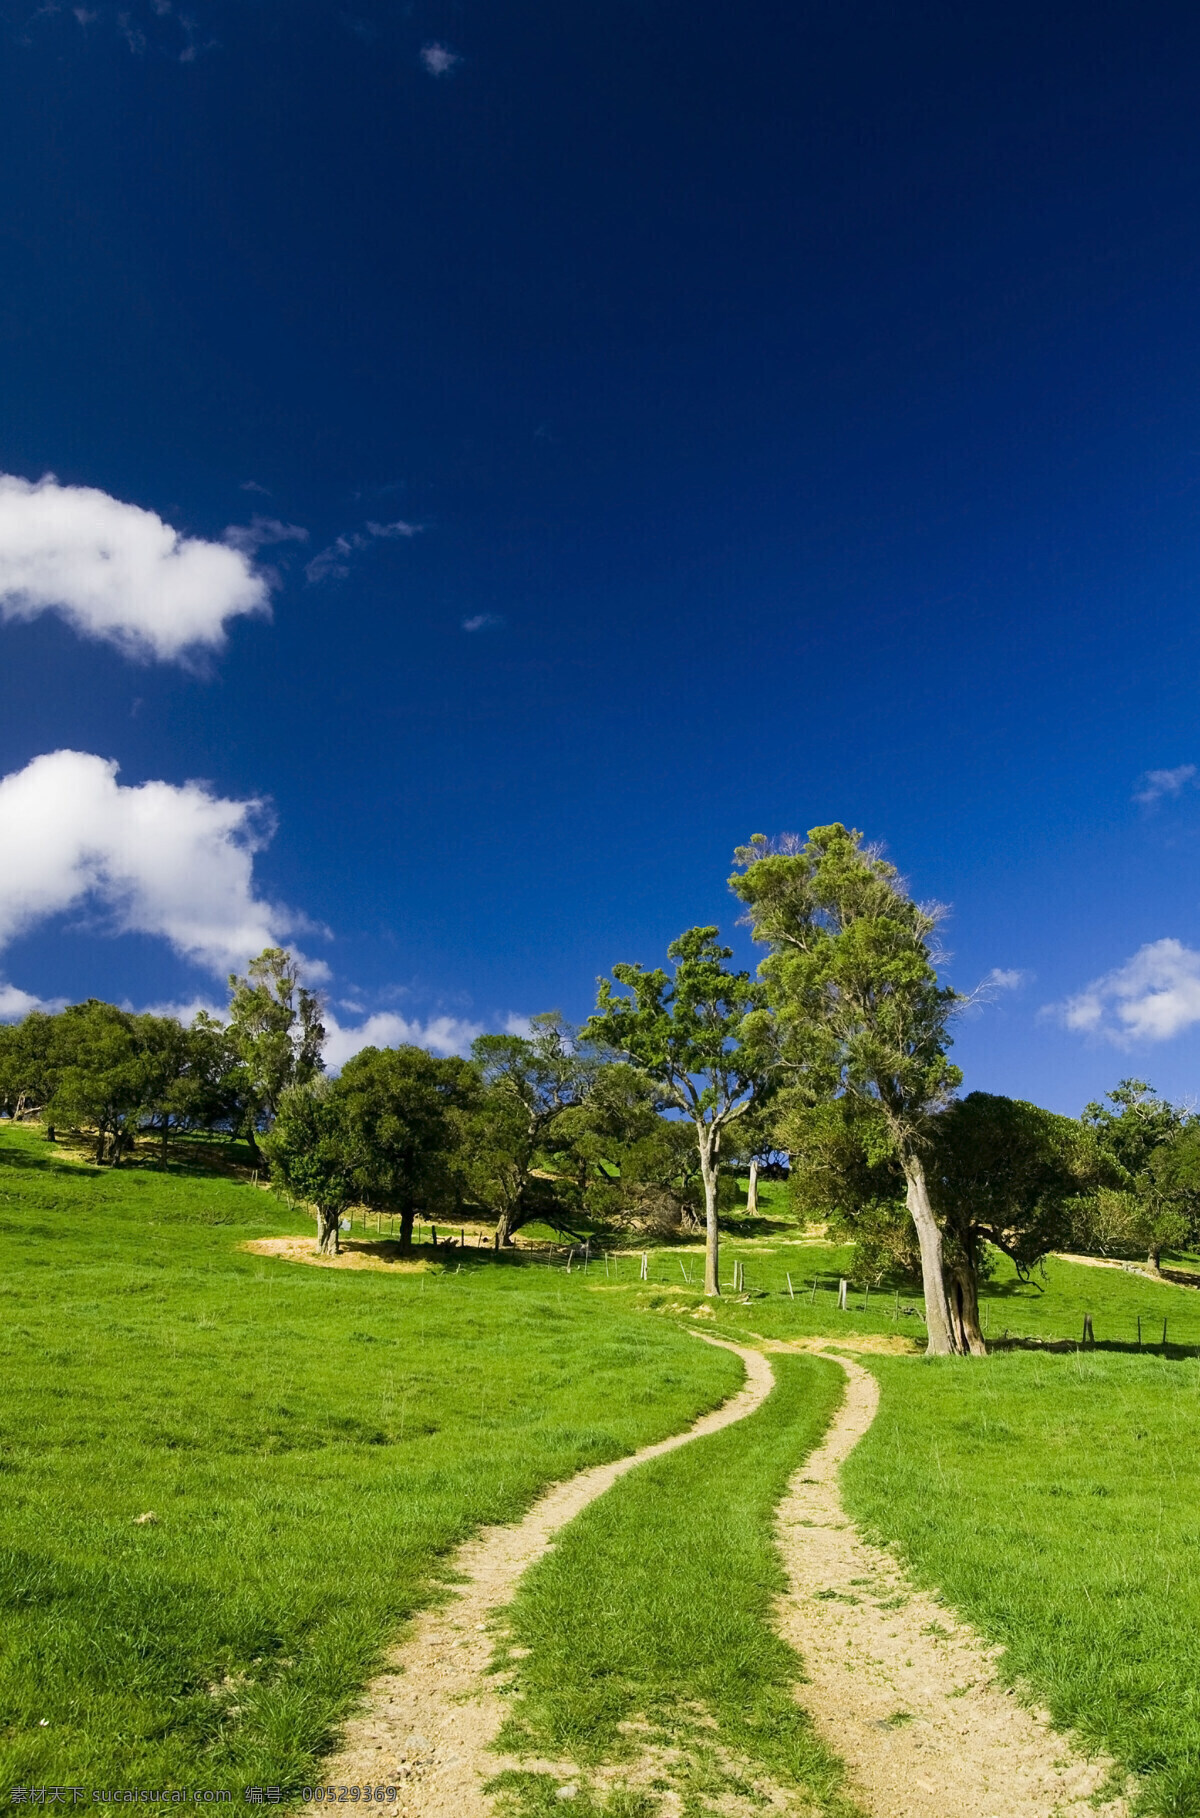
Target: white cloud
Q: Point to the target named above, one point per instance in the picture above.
(333, 563)
(1155, 784)
(483, 621)
(261, 532)
(117, 572)
(1006, 978)
(175, 861)
(439, 59)
(441, 1035)
(14, 1003)
(1152, 997)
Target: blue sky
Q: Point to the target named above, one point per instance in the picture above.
(602, 434)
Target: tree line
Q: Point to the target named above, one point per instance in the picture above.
(836, 1053)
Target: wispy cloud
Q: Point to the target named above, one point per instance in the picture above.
(262, 533)
(1006, 978)
(253, 486)
(439, 59)
(1152, 997)
(333, 562)
(483, 621)
(1154, 785)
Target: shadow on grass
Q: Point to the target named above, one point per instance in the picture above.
(1112, 1347)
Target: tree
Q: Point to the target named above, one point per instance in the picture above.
(276, 1031)
(705, 1038)
(400, 1106)
(631, 1164)
(850, 973)
(531, 1082)
(1007, 1173)
(102, 1073)
(1150, 1198)
(313, 1155)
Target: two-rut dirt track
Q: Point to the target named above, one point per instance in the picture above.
(905, 1694)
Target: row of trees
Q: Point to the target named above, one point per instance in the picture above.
(836, 1053)
(120, 1075)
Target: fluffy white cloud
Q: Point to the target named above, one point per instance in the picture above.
(1155, 784)
(441, 1034)
(1152, 997)
(1006, 978)
(163, 859)
(483, 621)
(117, 572)
(14, 1003)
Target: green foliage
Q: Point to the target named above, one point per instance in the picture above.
(851, 977)
(531, 1083)
(311, 1442)
(403, 1109)
(1005, 1172)
(276, 1032)
(314, 1155)
(1148, 1199)
(654, 1609)
(703, 1035)
(632, 1164)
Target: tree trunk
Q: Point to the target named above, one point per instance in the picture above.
(406, 1231)
(708, 1168)
(941, 1340)
(328, 1226)
(752, 1189)
(100, 1135)
(504, 1229)
(964, 1306)
(1154, 1260)
(252, 1144)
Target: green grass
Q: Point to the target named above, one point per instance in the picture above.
(311, 1443)
(654, 1609)
(1049, 1307)
(1056, 1502)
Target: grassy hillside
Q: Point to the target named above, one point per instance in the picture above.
(308, 1442)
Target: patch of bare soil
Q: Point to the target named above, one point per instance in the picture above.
(352, 1255)
(428, 1723)
(904, 1693)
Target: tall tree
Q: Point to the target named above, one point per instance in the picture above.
(403, 1108)
(705, 1038)
(850, 972)
(276, 1030)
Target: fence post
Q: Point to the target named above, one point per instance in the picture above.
(791, 1290)
(645, 1265)
(842, 1295)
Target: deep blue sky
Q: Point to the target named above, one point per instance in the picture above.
(810, 392)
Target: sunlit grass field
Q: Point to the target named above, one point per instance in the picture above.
(309, 1443)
